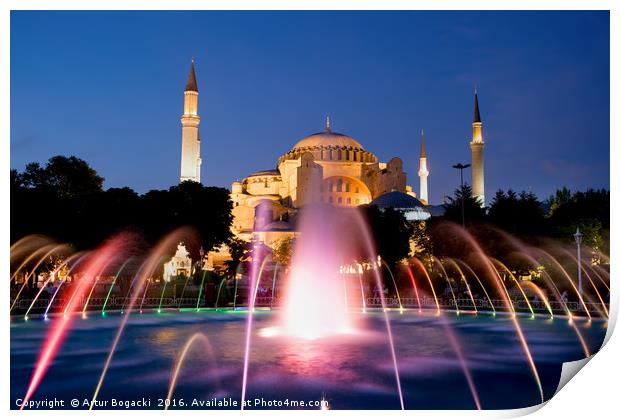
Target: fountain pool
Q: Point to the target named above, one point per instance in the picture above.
(354, 371)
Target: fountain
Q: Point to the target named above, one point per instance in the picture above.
(320, 342)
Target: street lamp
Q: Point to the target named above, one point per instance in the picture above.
(460, 167)
(578, 237)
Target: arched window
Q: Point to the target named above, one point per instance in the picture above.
(339, 186)
(347, 187)
(339, 200)
(339, 154)
(348, 200)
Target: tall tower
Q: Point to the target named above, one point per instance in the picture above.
(423, 172)
(190, 138)
(477, 155)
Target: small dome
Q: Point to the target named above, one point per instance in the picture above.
(279, 226)
(412, 208)
(268, 172)
(327, 138)
(397, 200)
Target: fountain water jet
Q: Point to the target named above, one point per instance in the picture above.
(49, 250)
(146, 269)
(52, 275)
(197, 337)
(313, 305)
(501, 264)
(415, 287)
(107, 252)
(273, 286)
(370, 249)
(456, 303)
(428, 278)
(118, 273)
(202, 283)
(400, 305)
(457, 264)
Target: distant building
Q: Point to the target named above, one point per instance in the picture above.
(412, 208)
(179, 265)
(326, 167)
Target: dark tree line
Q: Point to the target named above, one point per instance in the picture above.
(65, 200)
(525, 216)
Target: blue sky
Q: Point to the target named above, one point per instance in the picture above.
(108, 87)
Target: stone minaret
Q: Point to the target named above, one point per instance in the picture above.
(423, 173)
(477, 155)
(190, 147)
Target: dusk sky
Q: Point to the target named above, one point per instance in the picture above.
(108, 87)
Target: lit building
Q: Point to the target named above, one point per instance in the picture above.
(477, 155)
(190, 138)
(423, 172)
(179, 265)
(326, 167)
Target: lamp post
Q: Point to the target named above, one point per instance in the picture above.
(578, 237)
(460, 167)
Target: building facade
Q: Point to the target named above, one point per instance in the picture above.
(326, 167)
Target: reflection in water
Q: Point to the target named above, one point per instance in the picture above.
(352, 372)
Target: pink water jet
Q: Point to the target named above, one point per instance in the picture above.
(313, 305)
(108, 251)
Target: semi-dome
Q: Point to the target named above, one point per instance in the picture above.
(328, 138)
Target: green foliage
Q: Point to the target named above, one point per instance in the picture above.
(587, 210)
(283, 251)
(66, 177)
(240, 252)
(423, 246)
(391, 232)
(65, 200)
(522, 213)
(463, 198)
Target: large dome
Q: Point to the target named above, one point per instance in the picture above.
(329, 146)
(327, 138)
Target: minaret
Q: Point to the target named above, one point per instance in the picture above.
(190, 139)
(477, 155)
(423, 173)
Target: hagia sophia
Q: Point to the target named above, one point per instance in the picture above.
(327, 167)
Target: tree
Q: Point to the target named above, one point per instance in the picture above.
(587, 210)
(521, 214)
(65, 200)
(67, 177)
(474, 212)
(206, 209)
(240, 252)
(283, 251)
(391, 232)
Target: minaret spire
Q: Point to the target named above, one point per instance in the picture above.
(191, 84)
(476, 107)
(477, 154)
(328, 126)
(190, 138)
(423, 172)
